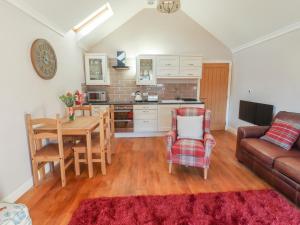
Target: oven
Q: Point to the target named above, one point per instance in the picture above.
(123, 118)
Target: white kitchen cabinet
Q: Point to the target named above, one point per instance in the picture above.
(96, 69)
(165, 116)
(192, 106)
(145, 70)
(145, 118)
(145, 125)
(167, 66)
(96, 109)
(191, 66)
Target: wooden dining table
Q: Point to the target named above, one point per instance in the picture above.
(81, 126)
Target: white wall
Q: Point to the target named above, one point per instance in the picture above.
(21, 90)
(150, 32)
(271, 72)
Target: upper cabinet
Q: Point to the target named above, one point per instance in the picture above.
(145, 70)
(167, 66)
(191, 66)
(150, 67)
(96, 69)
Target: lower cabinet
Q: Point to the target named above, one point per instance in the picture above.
(192, 106)
(145, 125)
(165, 116)
(96, 109)
(145, 118)
(153, 118)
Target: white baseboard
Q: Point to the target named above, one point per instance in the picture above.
(16, 194)
(232, 130)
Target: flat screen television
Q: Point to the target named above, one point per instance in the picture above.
(256, 113)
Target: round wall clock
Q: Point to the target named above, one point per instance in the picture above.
(43, 59)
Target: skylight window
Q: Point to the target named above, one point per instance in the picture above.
(94, 20)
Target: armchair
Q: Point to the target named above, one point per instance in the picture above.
(190, 152)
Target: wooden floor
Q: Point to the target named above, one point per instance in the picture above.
(139, 168)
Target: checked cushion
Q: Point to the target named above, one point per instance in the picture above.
(188, 147)
(282, 134)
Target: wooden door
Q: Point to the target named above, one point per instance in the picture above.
(214, 92)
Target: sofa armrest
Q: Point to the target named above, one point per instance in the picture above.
(171, 138)
(252, 131)
(249, 132)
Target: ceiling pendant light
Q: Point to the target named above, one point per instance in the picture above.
(168, 6)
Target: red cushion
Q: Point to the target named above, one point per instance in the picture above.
(188, 147)
(282, 134)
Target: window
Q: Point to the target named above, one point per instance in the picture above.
(94, 20)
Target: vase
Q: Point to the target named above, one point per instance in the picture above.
(71, 114)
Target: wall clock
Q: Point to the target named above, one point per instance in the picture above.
(43, 59)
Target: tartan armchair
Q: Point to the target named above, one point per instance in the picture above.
(190, 152)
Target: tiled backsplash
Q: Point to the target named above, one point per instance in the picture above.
(123, 83)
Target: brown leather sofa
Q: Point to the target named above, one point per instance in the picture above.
(278, 167)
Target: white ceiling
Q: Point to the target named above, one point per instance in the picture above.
(233, 22)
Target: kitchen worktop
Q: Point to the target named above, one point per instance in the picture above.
(144, 103)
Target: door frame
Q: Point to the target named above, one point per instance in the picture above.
(228, 88)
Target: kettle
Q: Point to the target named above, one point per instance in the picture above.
(138, 96)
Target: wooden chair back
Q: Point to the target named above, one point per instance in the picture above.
(36, 139)
(104, 128)
(112, 119)
(83, 109)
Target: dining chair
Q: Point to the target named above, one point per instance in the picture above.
(48, 147)
(79, 110)
(112, 127)
(83, 109)
(101, 145)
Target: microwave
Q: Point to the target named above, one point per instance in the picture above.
(96, 96)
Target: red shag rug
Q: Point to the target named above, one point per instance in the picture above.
(232, 208)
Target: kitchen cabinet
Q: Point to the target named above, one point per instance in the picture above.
(167, 66)
(192, 106)
(145, 70)
(165, 116)
(151, 67)
(96, 109)
(96, 69)
(191, 66)
(145, 118)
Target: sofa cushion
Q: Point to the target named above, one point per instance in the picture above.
(190, 127)
(282, 133)
(265, 151)
(188, 147)
(289, 166)
(290, 117)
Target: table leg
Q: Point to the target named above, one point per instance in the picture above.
(89, 153)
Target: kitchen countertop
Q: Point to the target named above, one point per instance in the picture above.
(143, 103)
